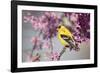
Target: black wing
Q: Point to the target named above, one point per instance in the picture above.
(70, 41)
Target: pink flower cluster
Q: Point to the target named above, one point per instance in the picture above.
(81, 26)
(47, 45)
(46, 23)
(36, 40)
(55, 56)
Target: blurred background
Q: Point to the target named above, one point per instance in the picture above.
(28, 32)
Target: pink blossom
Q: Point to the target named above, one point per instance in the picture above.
(39, 23)
(35, 21)
(43, 22)
(74, 17)
(55, 56)
(26, 19)
(47, 45)
(51, 14)
(46, 23)
(33, 58)
(36, 40)
(54, 15)
(47, 14)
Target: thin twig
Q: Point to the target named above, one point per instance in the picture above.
(62, 51)
(51, 45)
(35, 44)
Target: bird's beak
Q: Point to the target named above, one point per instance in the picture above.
(57, 28)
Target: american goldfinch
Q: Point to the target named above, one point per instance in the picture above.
(66, 37)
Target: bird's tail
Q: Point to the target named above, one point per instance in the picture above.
(73, 46)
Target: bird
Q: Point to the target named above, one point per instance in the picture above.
(66, 37)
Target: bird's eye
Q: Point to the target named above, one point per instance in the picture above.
(59, 27)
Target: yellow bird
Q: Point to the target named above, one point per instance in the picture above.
(66, 37)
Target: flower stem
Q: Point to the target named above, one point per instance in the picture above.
(51, 45)
(35, 44)
(33, 49)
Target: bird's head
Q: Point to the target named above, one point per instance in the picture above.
(61, 29)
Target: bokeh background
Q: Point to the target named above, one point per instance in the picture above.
(28, 32)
